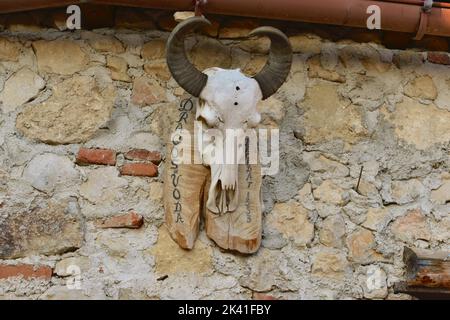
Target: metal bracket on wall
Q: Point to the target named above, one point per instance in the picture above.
(423, 23)
(198, 5)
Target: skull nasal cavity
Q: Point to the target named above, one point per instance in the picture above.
(236, 103)
(237, 88)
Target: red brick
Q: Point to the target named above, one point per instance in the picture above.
(262, 296)
(27, 271)
(139, 169)
(144, 155)
(130, 220)
(439, 58)
(96, 156)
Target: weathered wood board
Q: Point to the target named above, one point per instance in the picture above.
(427, 274)
(240, 230)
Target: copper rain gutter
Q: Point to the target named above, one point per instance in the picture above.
(396, 15)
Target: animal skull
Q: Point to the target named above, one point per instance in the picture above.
(227, 99)
(227, 103)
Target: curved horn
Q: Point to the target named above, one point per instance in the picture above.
(278, 65)
(182, 70)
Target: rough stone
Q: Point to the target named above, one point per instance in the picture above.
(47, 172)
(422, 87)
(306, 197)
(45, 230)
(73, 114)
(324, 209)
(442, 194)
(64, 293)
(361, 57)
(272, 111)
(20, 88)
(327, 117)
(69, 266)
(441, 232)
(377, 219)
(9, 51)
(308, 44)
(119, 68)
(167, 252)
(103, 43)
(326, 167)
(102, 185)
(155, 49)
(60, 56)
(411, 227)
(361, 246)
(158, 69)
(132, 294)
(261, 45)
(375, 284)
(367, 189)
(330, 193)
(210, 53)
(147, 91)
(183, 15)
(291, 220)
(332, 232)
(412, 119)
(156, 191)
(374, 63)
(408, 59)
(266, 271)
(315, 70)
(254, 66)
(406, 191)
(330, 264)
(237, 28)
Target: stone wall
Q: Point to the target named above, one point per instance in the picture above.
(82, 129)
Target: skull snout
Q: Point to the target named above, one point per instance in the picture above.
(228, 178)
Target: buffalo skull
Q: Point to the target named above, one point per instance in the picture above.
(227, 98)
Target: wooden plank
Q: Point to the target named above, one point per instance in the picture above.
(426, 268)
(240, 230)
(422, 293)
(427, 274)
(184, 184)
(7, 6)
